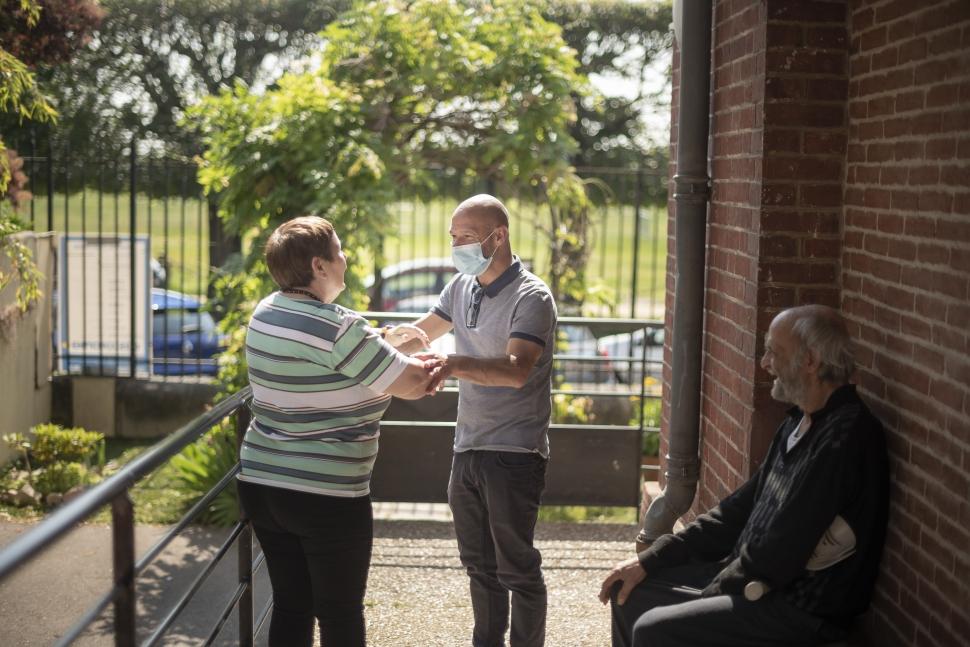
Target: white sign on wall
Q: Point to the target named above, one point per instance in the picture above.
(95, 306)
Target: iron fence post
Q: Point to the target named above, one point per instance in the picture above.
(50, 183)
(244, 549)
(123, 542)
(133, 294)
(637, 198)
(33, 169)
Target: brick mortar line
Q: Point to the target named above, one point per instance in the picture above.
(874, 371)
(914, 264)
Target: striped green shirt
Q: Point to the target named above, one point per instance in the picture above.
(318, 376)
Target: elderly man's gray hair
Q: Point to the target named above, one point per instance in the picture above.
(822, 329)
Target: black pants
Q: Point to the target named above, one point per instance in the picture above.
(318, 552)
(666, 610)
(494, 498)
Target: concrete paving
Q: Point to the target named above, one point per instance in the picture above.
(417, 590)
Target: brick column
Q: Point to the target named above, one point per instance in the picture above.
(777, 161)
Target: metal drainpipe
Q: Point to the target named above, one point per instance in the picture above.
(692, 28)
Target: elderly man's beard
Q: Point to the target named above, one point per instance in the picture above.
(787, 387)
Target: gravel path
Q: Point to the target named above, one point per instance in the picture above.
(417, 591)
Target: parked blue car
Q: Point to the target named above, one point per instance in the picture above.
(184, 338)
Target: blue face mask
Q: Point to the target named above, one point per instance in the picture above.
(469, 259)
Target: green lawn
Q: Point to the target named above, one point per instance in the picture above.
(179, 228)
(179, 233)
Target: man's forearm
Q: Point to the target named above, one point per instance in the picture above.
(488, 371)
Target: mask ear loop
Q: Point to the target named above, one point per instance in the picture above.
(483, 242)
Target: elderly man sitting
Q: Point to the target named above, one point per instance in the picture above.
(792, 555)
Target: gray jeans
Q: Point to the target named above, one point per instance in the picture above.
(666, 610)
(494, 498)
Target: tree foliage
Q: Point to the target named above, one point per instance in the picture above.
(151, 60)
(31, 33)
(398, 88)
(48, 32)
(616, 39)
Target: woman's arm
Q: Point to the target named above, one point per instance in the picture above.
(414, 380)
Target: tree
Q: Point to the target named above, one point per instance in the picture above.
(47, 32)
(151, 60)
(400, 86)
(617, 39)
(38, 32)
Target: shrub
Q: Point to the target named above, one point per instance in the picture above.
(61, 476)
(201, 465)
(571, 409)
(53, 443)
(55, 459)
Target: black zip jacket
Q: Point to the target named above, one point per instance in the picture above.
(767, 529)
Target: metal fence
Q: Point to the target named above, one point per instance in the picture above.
(137, 254)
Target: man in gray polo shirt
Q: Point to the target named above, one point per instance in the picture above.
(504, 320)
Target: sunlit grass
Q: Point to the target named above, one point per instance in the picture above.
(588, 514)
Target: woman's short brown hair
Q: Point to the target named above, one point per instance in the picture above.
(291, 249)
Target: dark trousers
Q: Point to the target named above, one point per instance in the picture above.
(317, 553)
(494, 498)
(666, 610)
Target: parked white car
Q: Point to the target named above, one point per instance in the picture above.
(631, 345)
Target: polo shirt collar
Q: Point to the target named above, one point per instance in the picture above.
(506, 277)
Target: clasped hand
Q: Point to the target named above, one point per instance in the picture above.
(439, 367)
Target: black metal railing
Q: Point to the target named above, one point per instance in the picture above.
(115, 491)
(620, 359)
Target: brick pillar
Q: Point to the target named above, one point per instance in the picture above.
(777, 162)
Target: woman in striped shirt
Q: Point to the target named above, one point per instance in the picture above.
(321, 379)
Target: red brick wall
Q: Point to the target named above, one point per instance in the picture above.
(906, 271)
(841, 174)
(777, 166)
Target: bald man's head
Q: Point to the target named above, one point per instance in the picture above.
(484, 209)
